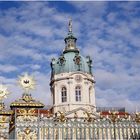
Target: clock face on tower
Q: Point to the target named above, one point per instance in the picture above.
(78, 78)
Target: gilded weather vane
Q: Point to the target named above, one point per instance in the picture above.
(27, 82)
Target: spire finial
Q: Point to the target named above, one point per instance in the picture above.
(70, 25)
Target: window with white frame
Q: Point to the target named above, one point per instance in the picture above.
(64, 94)
(78, 93)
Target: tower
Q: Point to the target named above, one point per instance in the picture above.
(72, 81)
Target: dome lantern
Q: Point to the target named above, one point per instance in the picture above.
(71, 60)
(70, 40)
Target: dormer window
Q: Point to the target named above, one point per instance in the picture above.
(62, 60)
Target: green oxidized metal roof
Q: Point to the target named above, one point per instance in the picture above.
(68, 62)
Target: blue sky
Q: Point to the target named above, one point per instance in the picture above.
(31, 33)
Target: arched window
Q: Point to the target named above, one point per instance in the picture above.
(64, 94)
(78, 93)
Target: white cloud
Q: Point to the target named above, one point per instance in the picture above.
(35, 67)
(42, 91)
(111, 98)
(8, 68)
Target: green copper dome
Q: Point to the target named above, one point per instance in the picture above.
(71, 60)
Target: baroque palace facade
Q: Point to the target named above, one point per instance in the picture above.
(74, 114)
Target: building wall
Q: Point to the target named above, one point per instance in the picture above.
(70, 81)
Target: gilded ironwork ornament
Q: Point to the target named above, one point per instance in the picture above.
(3, 119)
(27, 134)
(62, 117)
(3, 92)
(75, 115)
(113, 116)
(137, 117)
(27, 82)
(2, 106)
(26, 115)
(27, 131)
(27, 97)
(89, 118)
(26, 112)
(126, 116)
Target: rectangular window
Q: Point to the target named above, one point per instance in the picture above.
(78, 96)
(64, 99)
(64, 94)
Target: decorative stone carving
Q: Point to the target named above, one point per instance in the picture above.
(77, 59)
(78, 78)
(62, 60)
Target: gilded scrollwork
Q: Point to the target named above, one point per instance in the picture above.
(137, 117)
(3, 122)
(27, 134)
(3, 119)
(88, 118)
(25, 115)
(23, 112)
(75, 116)
(26, 118)
(113, 116)
(61, 117)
